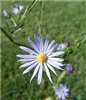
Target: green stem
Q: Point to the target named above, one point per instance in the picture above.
(10, 38)
(61, 76)
(13, 22)
(41, 16)
(59, 79)
(7, 26)
(39, 28)
(28, 9)
(83, 40)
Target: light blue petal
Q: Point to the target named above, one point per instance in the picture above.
(20, 7)
(52, 69)
(63, 97)
(25, 60)
(40, 74)
(54, 65)
(66, 89)
(47, 72)
(29, 68)
(28, 64)
(37, 42)
(61, 86)
(66, 94)
(15, 11)
(33, 46)
(35, 72)
(59, 95)
(41, 43)
(57, 53)
(46, 43)
(50, 46)
(52, 49)
(28, 50)
(57, 63)
(26, 56)
(56, 59)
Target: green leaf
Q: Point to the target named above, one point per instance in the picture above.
(6, 33)
(10, 38)
(28, 9)
(17, 28)
(7, 26)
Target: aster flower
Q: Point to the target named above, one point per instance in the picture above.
(20, 7)
(43, 56)
(17, 10)
(62, 46)
(62, 91)
(5, 13)
(70, 68)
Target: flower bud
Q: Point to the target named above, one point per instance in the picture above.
(67, 44)
(70, 68)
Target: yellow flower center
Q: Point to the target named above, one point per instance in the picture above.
(42, 58)
(62, 91)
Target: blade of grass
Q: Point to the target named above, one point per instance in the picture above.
(28, 9)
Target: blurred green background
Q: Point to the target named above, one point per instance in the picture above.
(62, 21)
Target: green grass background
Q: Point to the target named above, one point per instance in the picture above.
(62, 21)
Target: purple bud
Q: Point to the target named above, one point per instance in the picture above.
(70, 68)
(67, 44)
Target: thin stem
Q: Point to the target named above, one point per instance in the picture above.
(28, 9)
(59, 79)
(10, 38)
(83, 40)
(13, 22)
(7, 26)
(61, 76)
(41, 16)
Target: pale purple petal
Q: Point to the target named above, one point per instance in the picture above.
(41, 43)
(20, 7)
(57, 63)
(15, 11)
(29, 68)
(52, 69)
(56, 59)
(50, 46)
(25, 60)
(37, 41)
(61, 86)
(33, 46)
(54, 65)
(57, 53)
(40, 74)
(47, 72)
(26, 56)
(46, 44)
(66, 89)
(63, 97)
(52, 49)
(28, 64)
(59, 95)
(66, 94)
(28, 50)
(35, 71)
